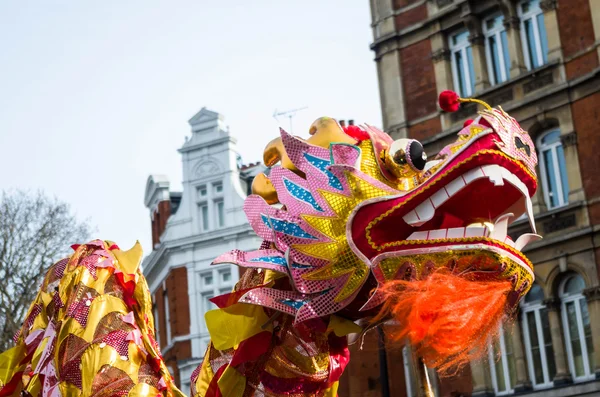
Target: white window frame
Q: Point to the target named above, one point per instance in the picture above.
(167, 317)
(156, 323)
(216, 288)
(536, 308)
(496, 32)
(410, 373)
(575, 299)
(462, 48)
(509, 390)
(557, 174)
(531, 14)
(218, 223)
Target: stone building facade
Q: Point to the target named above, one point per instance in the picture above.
(539, 60)
(190, 229)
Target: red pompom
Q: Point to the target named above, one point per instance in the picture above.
(449, 101)
(467, 123)
(356, 133)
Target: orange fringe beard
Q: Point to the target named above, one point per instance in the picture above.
(448, 319)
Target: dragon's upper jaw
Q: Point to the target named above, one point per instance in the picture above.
(478, 184)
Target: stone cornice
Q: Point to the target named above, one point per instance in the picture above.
(552, 304)
(569, 139)
(443, 54)
(592, 294)
(548, 5)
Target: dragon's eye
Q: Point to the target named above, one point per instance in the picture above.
(408, 152)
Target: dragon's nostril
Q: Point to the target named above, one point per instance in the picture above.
(522, 146)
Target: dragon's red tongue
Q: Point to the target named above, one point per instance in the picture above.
(448, 319)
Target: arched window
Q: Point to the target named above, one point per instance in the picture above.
(502, 363)
(576, 323)
(553, 169)
(538, 341)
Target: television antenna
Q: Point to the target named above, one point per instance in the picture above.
(289, 113)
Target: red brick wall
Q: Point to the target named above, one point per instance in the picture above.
(362, 376)
(586, 118)
(582, 64)
(403, 3)
(410, 17)
(426, 129)
(418, 77)
(159, 220)
(179, 318)
(179, 304)
(575, 25)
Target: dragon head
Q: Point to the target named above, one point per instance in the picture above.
(349, 210)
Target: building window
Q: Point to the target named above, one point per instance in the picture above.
(204, 216)
(463, 71)
(410, 377)
(226, 277)
(577, 329)
(156, 325)
(214, 282)
(496, 49)
(220, 205)
(202, 191)
(207, 280)
(167, 318)
(218, 187)
(502, 363)
(533, 34)
(554, 169)
(206, 303)
(538, 341)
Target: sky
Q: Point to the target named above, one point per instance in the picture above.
(95, 95)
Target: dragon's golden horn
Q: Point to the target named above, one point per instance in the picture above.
(263, 186)
(275, 152)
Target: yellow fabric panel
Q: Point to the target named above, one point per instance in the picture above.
(230, 326)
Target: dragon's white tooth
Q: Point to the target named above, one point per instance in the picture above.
(425, 211)
(525, 239)
(439, 198)
(437, 234)
(456, 232)
(516, 182)
(418, 236)
(475, 231)
(454, 186)
(501, 227)
(474, 174)
(508, 241)
(494, 173)
(412, 219)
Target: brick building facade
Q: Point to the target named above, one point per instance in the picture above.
(540, 61)
(189, 229)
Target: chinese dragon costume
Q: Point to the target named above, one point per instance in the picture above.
(358, 229)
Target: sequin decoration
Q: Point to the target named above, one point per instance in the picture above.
(82, 346)
(285, 227)
(278, 260)
(301, 194)
(322, 165)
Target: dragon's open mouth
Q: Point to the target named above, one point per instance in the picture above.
(462, 210)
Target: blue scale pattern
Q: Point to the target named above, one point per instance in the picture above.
(321, 165)
(289, 228)
(278, 260)
(293, 303)
(301, 194)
